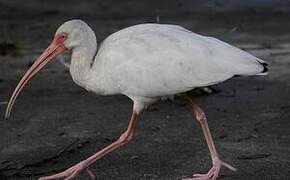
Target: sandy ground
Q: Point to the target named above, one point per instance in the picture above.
(55, 123)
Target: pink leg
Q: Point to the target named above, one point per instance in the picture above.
(217, 163)
(84, 165)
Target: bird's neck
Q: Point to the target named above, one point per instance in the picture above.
(81, 62)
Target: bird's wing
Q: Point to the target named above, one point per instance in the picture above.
(156, 60)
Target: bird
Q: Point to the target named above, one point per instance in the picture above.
(144, 62)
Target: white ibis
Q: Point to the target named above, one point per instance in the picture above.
(144, 62)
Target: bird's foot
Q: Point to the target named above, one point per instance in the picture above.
(71, 173)
(213, 173)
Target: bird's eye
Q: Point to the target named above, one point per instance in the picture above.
(63, 36)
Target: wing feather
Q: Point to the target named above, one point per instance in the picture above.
(156, 60)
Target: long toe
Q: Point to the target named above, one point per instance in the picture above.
(199, 177)
(213, 173)
(70, 173)
(61, 175)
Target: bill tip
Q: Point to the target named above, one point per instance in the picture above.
(7, 116)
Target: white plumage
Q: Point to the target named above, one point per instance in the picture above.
(147, 61)
(144, 62)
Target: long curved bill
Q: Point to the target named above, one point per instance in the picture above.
(54, 49)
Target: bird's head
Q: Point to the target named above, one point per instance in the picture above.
(68, 36)
(74, 33)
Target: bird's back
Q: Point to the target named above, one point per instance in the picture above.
(155, 60)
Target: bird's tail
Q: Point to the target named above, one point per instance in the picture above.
(265, 67)
(251, 67)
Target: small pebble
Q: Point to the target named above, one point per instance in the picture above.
(134, 157)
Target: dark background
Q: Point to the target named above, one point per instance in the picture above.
(55, 123)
